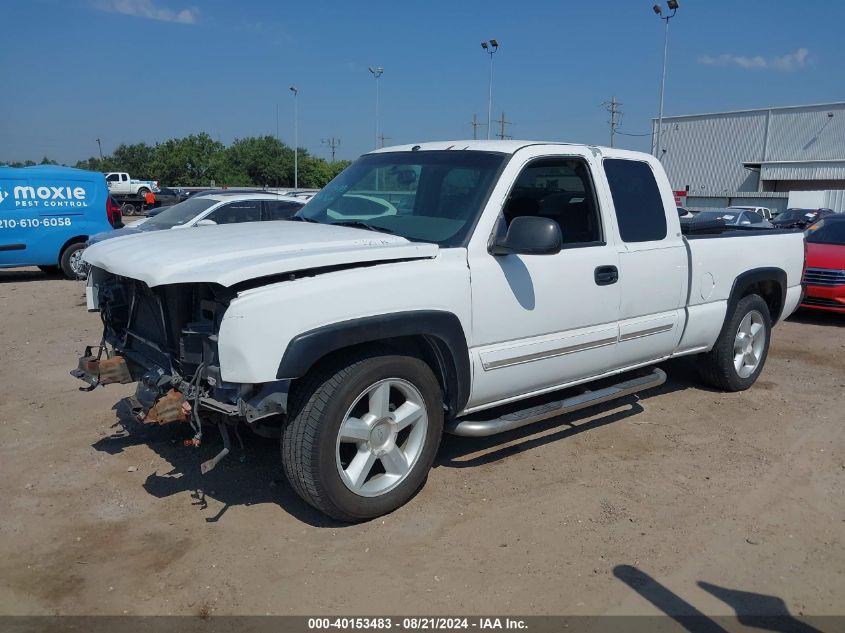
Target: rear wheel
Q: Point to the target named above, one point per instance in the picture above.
(128, 208)
(740, 352)
(71, 261)
(143, 191)
(363, 434)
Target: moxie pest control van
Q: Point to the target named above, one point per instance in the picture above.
(47, 213)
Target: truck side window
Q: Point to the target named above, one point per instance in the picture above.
(112, 178)
(280, 209)
(236, 212)
(639, 208)
(559, 189)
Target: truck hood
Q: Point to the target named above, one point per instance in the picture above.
(230, 254)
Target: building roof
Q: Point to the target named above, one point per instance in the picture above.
(813, 106)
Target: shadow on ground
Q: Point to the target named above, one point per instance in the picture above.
(818, 317)
(752, 609)
(17, 275)
(455, 451)
(253, 475)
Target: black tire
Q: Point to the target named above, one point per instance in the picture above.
(143, 191)
(128, 209)
(717, 366)
(318, 406)
(67, 258)
(50, 270)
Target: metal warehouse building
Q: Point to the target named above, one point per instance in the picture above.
(754, 156)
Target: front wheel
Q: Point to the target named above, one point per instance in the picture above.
(740, 352)
(363, 434)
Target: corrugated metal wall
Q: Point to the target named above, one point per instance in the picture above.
(706, 152)
(703, 203)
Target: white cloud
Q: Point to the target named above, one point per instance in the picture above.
(146, 9)
(787, 63)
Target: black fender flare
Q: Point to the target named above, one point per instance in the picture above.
(442, 329)
(750, 277)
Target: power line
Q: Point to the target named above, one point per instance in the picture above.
(629, 134)
(502, 122)
(614, 107)
(333, 144)
(475, 125)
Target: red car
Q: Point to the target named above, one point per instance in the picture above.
(824, 278)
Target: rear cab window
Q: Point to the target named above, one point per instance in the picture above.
(636, 199)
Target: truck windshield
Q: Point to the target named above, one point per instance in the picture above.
(427, 196)
(181, 213)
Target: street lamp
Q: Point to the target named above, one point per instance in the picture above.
(377, 72)
(295, 92)
(490, 47)
(673, 6)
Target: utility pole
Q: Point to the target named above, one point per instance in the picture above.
(475, 125)
(490, 47)
(333, 144)
(277, 121)
(382, 138)
(100, 145)
(613, 106)
(673, 6)
(377, 72)
(295, 92)
(502, 122)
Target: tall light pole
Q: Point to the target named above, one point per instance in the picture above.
(490, 47)
(100, 145)
(377, 72)
(295, 92)
(673, 6)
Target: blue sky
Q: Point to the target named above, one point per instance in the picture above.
(148, 70)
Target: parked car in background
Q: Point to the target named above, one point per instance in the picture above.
(166, 197)
(800, 218)
(766, 212)
(48, 212)
(735, 217)
(223, 208)
(824, 277)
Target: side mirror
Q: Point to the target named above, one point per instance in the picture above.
(206, 222)
(529, 235)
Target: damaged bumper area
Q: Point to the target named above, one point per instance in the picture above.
(165, 340)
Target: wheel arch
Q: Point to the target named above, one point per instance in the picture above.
(437, 337)
(769, 283)
(68, 242)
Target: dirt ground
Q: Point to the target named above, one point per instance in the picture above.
(685, 499)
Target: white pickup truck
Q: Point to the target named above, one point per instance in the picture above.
(453, 286)
(120, 184)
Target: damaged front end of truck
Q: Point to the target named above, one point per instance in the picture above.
(165, 340)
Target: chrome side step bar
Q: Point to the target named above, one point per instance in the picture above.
(516, 419)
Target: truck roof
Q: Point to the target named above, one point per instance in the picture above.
(504, 147)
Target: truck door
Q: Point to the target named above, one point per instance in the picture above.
(113, 183)
(653, 264)
(541, 321)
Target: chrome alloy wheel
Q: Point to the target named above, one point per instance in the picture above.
(749, 343)
(76, 263)
(381, 437)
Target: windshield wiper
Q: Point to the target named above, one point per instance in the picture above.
(357, 224)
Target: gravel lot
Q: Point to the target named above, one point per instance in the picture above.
(687, 496)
